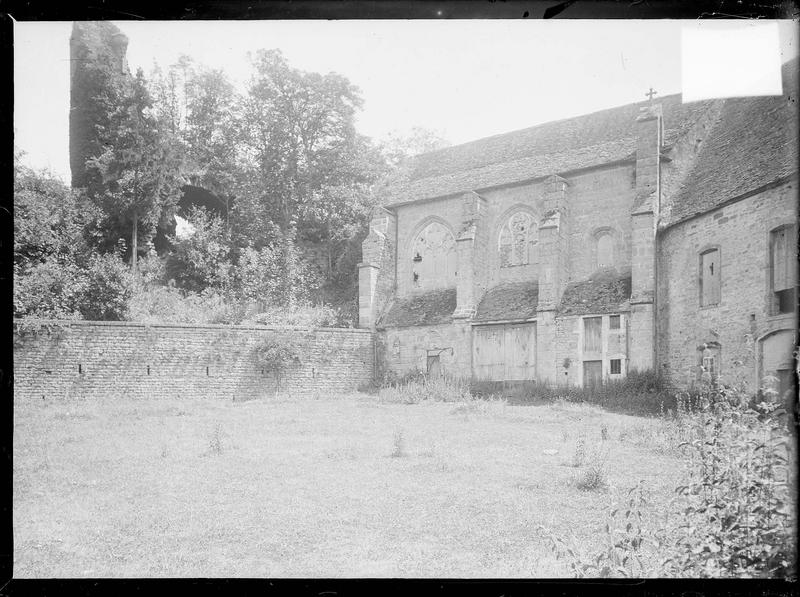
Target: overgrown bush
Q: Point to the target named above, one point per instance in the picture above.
(737, 508)
(732, 516)
(277, 354)
(59, 289)
(201, 259)
(306, 316)
(167, 304)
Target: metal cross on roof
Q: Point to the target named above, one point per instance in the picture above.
(650, 94)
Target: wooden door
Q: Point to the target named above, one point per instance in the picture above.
(489, 353)
(504, 352)
(520, 345)
(592, 373)
(434, 366)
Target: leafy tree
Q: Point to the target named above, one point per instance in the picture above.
(135, 179)
(299, 137)
(398, 146)
(50, 220)
(198, 106)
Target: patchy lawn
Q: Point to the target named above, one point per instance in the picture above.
(342, 487)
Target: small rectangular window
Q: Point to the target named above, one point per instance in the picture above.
(613, 322)
(616, 366)
(710, 278)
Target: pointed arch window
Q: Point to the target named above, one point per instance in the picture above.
(518, 240)
(433, 257)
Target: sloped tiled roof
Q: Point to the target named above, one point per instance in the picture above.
(603, 292)
(512, 300)
(560, 146)
(430, 308)
(753, 143)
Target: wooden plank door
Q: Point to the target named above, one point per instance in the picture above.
(520, 352)
(592, 373)
(489, 353)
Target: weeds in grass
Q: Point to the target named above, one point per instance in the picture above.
(399, 450)
(593, 478)
(641, 392)
(215, 442)
(579, 456)
(422, 388)
(564, 435)
(604, 432)
(429, 452)
(163, 450)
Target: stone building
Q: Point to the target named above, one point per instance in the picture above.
(657, 235)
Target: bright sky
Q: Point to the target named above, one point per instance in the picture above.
(463, 79)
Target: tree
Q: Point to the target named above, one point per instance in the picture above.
(197, 105)
(135, 179)
(298, 134)
(397, 147)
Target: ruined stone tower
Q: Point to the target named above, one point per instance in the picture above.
(92, 43)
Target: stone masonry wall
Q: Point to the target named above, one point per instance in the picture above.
(406, 349)
(741, 231)
(600, 199)
(94, 360)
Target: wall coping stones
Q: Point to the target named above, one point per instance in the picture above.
(198, 326)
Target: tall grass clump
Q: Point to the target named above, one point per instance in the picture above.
(641, 392)
(418, 387)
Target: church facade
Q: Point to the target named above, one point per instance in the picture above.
(654, 236)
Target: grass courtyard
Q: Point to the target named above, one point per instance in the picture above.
(340, 487)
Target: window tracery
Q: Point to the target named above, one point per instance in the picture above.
(433, 257)
(518, 240)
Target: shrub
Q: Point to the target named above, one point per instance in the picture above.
(277, 354)
(737, 506)
(106, 289)
(593, 478)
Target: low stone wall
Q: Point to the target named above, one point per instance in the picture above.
(90, 359)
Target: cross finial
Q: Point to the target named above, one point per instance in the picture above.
(650, 94)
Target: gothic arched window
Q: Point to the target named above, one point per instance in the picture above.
(433, 257)
(518, 239)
